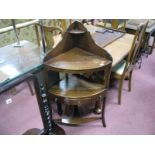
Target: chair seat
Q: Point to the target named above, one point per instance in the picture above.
(119, 68)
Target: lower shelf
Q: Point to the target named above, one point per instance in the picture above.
(75, 91)
(76, 121)
(76, 88)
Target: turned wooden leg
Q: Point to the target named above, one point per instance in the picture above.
(129, 83)
(126, 77)
(98, 107)
(76, 111)
(153, 45)
(30, 87)
(68, 111)
(120, 90)
(59, 106)
(103, 112)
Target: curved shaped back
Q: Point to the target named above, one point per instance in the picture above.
(53, 34)
(62, 23)
(140, 42)
(135, 47)
(50, 32)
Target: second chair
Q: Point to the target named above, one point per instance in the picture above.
(125, 67)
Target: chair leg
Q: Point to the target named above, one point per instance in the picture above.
(68, 110)
(120, 90)
(30, 88)
(98, 108)
(103, 112)
(59, 107)
(153, 45)
(129, 83)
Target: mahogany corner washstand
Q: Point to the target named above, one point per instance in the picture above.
(79, 58)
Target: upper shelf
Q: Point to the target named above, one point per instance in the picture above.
(77, 60)
(77, 52)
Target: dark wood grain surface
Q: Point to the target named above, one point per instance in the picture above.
(76, 60)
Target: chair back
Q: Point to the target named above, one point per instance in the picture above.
(63, 23)
(115, 23)
(135, 47)
(53, 34)
(140, 42)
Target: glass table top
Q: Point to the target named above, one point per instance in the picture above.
(17, 61)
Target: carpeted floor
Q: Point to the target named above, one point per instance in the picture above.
(136, 114)
(20, 115)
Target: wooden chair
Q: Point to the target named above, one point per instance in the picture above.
(53, 35)
(113, 23)
(125, 68)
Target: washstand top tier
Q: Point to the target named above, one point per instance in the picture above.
(77, 52)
